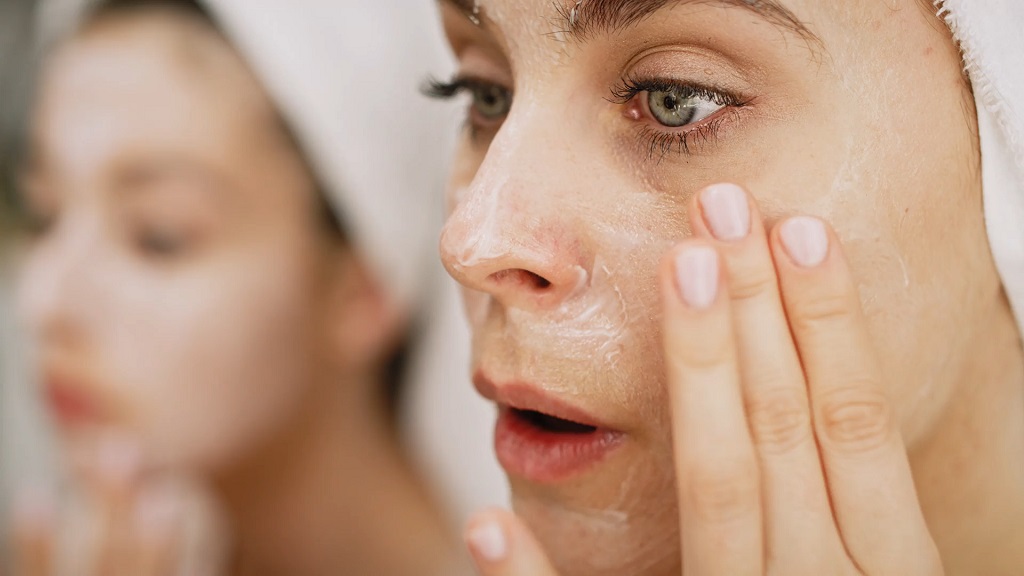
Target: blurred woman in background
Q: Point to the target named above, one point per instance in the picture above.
(223, 282)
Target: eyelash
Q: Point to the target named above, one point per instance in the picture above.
(684, 140)
(452, 89)
(654, 141)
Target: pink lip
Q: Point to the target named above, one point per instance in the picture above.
(536, 453)
(70, 404)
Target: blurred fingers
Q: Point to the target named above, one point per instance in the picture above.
(158, 525)
(34, 533)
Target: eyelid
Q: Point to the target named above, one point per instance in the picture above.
(630, 86)
(441, 90)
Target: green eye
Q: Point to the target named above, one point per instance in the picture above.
(675, 107)
(492, 102)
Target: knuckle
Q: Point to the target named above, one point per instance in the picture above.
(780, 420)
(720, 493)
(752, 282)
(822, 309)
(858, 419)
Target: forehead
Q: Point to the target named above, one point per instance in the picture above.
(578, 19)
(144, 79)
(819, 25)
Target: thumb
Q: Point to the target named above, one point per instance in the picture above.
(501, 545)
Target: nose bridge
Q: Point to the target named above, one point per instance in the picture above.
(512, 231)
(60, 288)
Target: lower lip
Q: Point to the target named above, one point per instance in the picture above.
(70, 408)
(532, 453)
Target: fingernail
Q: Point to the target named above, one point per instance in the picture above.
(156, 512)
(726, 211)
(118, 459)
(487, 540)
(697, 276)
(806, 240)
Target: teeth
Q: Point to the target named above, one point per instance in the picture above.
(552, 424)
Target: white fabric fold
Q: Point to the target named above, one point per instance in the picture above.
(991, 36)
(346, 76)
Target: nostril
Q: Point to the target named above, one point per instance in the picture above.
(523, 278)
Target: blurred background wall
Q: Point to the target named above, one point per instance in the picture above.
(23, 445)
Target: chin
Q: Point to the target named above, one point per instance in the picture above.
(620, 519)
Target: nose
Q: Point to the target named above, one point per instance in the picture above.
(508, 236)
(54, 292)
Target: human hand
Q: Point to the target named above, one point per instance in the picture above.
(123, 524)
(788, 457)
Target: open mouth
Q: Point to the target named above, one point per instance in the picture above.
(552, 424)
(543, 448)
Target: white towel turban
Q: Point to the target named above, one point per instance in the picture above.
(991, 36)
(346, 77)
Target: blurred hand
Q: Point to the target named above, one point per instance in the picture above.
(121, 523)
(787, 456)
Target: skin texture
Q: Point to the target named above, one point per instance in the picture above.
(868, 125)
(184, 280)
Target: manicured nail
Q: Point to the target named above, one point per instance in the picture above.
(806, 240)
(118, 459)
(487, 541)
(697, 276)
(726, 211)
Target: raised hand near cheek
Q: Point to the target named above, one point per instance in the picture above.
(124, 525)
(788, 459)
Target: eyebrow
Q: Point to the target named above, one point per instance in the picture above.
(581, 20)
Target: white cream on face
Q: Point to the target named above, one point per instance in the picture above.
(828, 134)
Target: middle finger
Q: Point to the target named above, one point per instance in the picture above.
(799, 530)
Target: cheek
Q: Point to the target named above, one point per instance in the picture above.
(223, 364)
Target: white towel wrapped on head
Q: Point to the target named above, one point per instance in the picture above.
(991, 36)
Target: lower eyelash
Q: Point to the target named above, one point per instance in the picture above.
(658, 144)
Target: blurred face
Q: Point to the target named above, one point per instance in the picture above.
(589, 130)
(177, 273)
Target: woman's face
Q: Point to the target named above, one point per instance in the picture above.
(592, 127)
(177, 280)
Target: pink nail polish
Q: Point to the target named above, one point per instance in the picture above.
(488, 541)
(697, 276)
(805, 240)
(726, 211)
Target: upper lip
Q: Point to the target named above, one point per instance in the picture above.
(524, 396)
(69, 390)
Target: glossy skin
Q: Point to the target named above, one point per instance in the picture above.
(868, 124)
